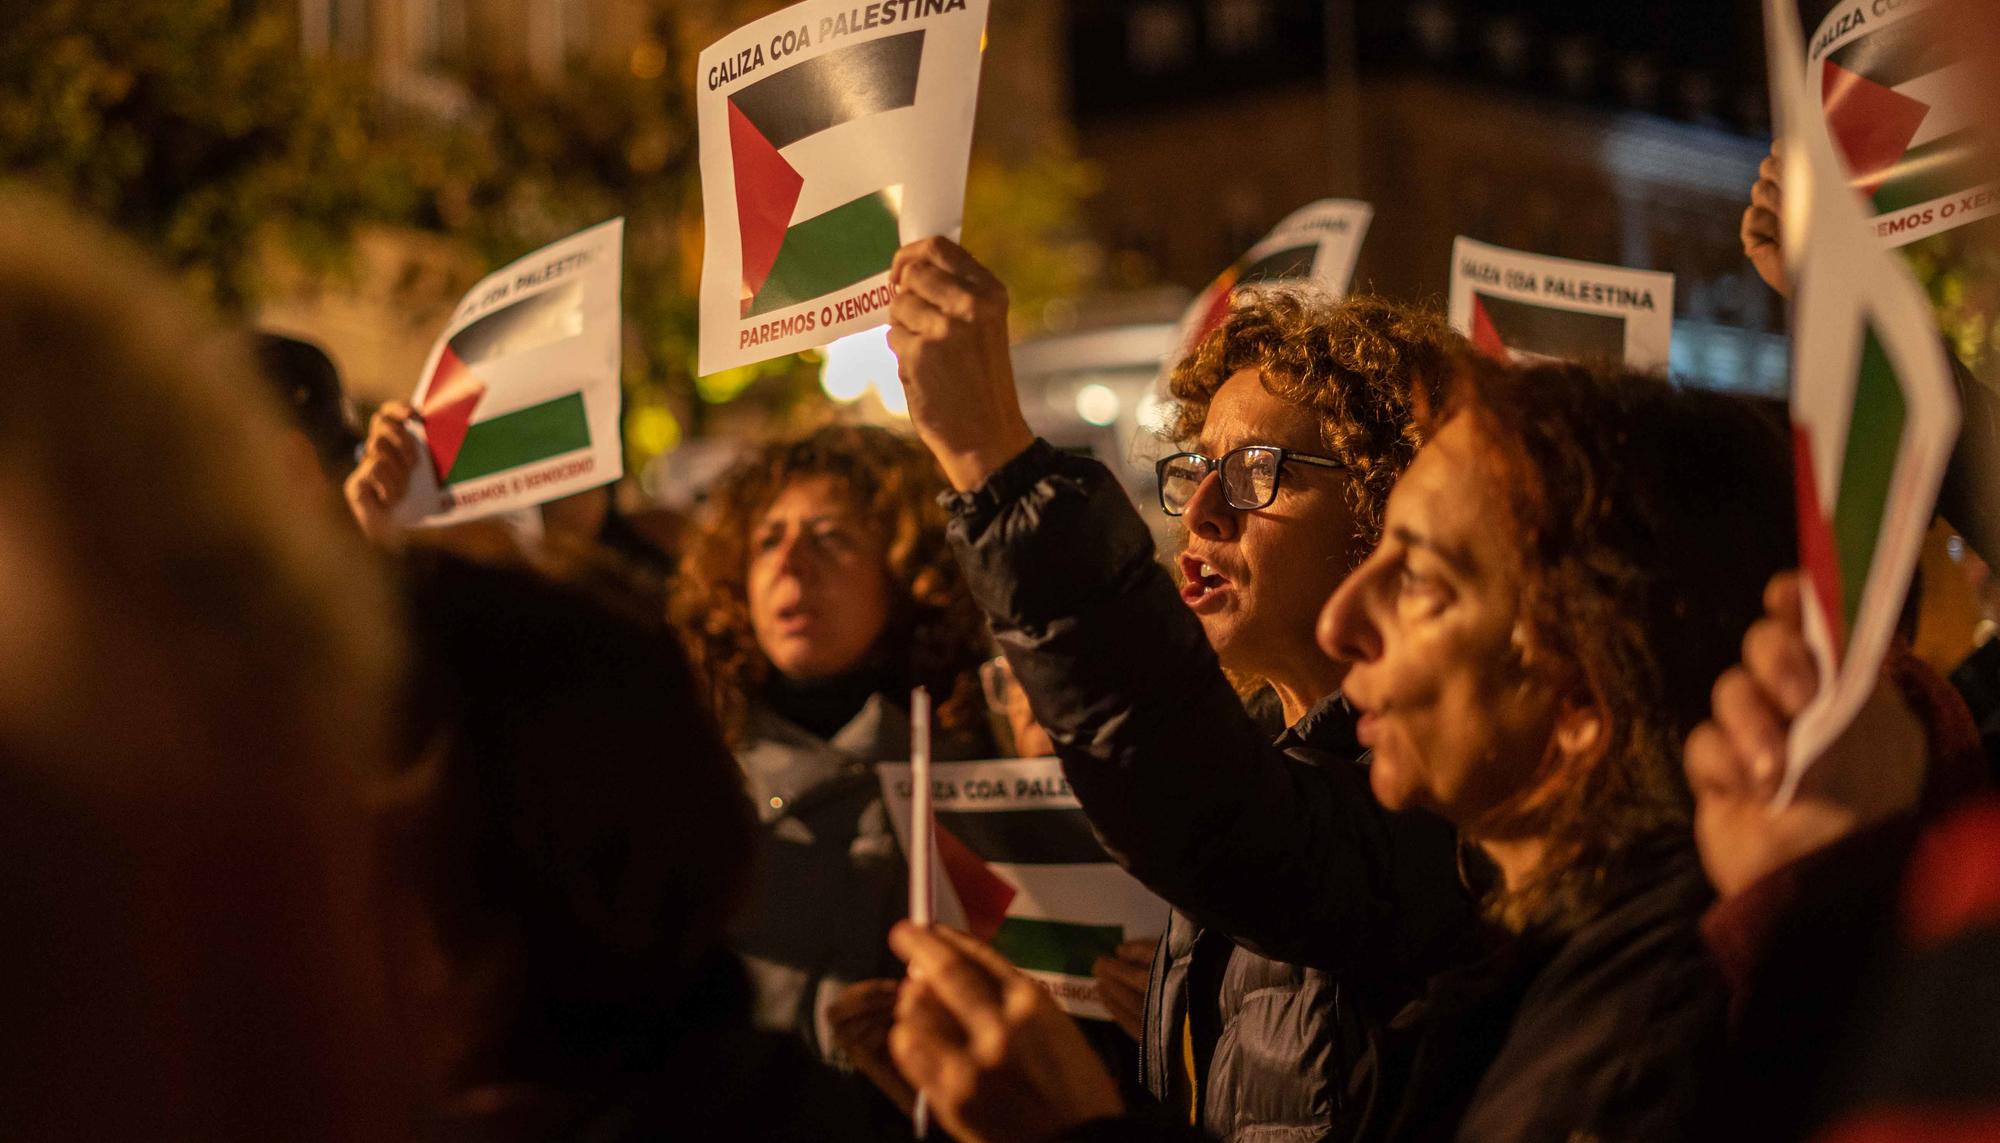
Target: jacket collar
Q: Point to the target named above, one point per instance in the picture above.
(1327, 728)
(784, 762)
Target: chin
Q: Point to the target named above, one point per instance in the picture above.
(1391, 788)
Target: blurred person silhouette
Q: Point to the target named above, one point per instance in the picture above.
(561, 857)
(816, 591)
(1860, 925)
(196, 658)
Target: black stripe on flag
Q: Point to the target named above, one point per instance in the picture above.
(1548, 331)
(1914, 46)
(1026, 837)
(544, 319)
(826, 91)
(1291, 262)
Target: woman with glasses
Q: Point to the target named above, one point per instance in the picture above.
(1295, 418)
(1564, 568)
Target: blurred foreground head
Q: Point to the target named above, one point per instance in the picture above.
(194, 656)
(568, 840)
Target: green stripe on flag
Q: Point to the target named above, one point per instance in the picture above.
(1055, 946)
(522, 437)
(828, 251)
(1945, 166)
(1874, 437)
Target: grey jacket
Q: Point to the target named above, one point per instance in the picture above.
(1273, 1043)
(830, 879)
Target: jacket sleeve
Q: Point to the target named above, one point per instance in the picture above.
(1294, 860)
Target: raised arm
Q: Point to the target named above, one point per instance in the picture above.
(1293, 859)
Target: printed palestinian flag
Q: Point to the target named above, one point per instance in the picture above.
(1874, 408)
(1510, 329)
(1887, 95)
(464, 448)
(1024, 872)
(789, 259)
(1837, 540)
(1289, 264)
(1027, 881)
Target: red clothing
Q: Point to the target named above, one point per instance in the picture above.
(1805, 948)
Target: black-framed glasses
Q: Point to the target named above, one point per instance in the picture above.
(1249, 475)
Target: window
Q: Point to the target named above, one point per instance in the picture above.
(333, 26)
(1159, 38)
(1239, 27)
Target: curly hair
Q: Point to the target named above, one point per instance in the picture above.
(936, 634)
(1355, 364)
(1650, 519)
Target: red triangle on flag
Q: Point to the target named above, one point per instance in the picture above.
(982, 892)
(1818, 555)
(1871, 124)
(449, 402)
(1485, 336)
(767, 190)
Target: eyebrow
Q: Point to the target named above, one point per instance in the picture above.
(1459, 559)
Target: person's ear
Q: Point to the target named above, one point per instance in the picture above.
(1579, 728)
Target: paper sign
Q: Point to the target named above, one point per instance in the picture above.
(519, 399)
(1317, 243)
(1874, 410)
(831, 134)
(1890, 79)
(1022, 870)
(1524, 307)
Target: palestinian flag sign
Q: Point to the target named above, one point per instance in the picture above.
(1875, 411)
(519, 401)
(831, 134)
(1023, 871)
(1889, 78)
(1526, 307)
(1317, 244)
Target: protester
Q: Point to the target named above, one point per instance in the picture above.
(1242, 1044)
(815, 594)
(1620, 532)
(1882, 1019)
(561, 858)
(1808, 890)
(195, 661)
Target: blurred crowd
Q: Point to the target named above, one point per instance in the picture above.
(1450, 732)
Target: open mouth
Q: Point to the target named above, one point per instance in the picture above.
(794, 618)
(1202, 580)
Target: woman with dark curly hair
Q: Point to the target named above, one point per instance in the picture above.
(816, 592)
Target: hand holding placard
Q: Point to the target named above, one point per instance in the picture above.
(948, 327)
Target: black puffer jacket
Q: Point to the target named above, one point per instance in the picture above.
(1603, 1032)
(1171, 771)
(1272, 1044)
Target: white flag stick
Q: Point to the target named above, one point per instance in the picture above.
(923, 893)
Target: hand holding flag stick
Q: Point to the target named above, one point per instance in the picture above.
(1032, 1076)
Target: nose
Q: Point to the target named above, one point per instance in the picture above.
(1347, 630)
(1208, 513)
(794, 556)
